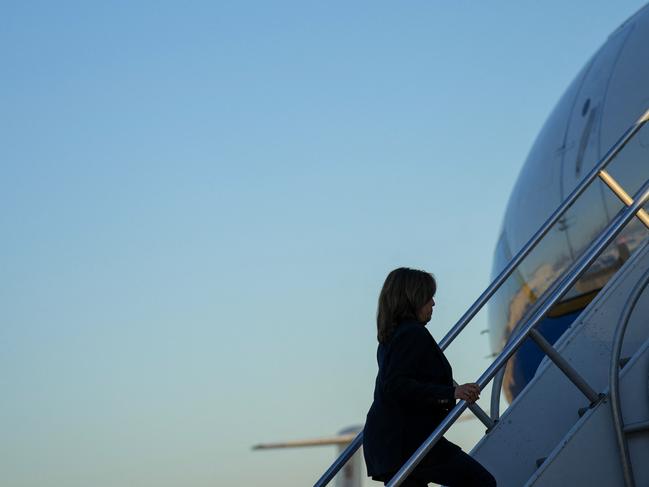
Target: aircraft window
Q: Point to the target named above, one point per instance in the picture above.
(584, 110)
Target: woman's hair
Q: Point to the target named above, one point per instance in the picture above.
(404, 292)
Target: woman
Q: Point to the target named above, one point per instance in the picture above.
(414, 391)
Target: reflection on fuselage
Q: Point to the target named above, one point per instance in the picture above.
(607, 95)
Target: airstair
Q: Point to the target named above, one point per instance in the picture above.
(584, 417)
(550, 435)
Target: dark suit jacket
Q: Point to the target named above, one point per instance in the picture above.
(413, 393)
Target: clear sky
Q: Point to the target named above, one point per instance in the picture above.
(199, 202)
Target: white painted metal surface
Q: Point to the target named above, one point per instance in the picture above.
(542, 415)
(587, 455)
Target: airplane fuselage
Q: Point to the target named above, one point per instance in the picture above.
(609, 93)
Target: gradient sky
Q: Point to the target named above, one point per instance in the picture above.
(199, 203)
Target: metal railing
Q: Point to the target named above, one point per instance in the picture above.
(614, 378)
(634, 207)
(572, 275)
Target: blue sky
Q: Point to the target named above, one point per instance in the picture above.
(200, 202)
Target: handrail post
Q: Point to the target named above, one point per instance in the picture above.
(480, 414)
(565, 367)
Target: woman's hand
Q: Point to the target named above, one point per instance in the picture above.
(469, 392)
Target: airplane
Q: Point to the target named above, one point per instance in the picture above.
(352, 473)
(606, 96)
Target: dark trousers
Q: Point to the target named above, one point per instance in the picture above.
(450, 467)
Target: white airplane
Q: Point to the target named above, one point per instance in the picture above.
(608, 94)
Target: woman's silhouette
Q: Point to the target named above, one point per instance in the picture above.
(414, 391)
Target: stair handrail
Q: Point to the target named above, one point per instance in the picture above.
(614, 378)
(568, 279)
(629, 133)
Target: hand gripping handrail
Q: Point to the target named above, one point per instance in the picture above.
(502, 277)
(568, 279)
